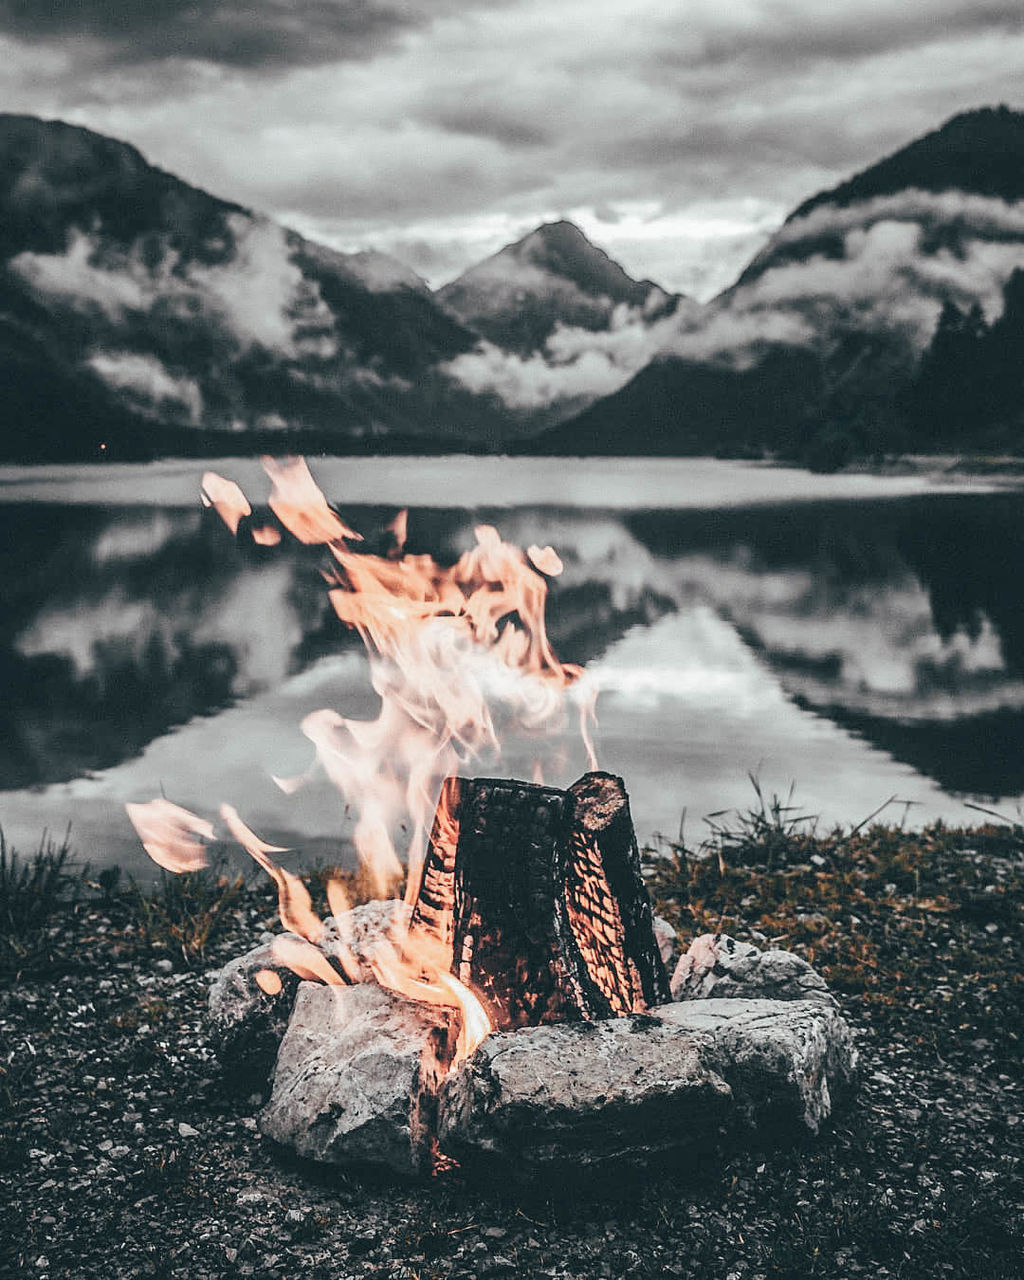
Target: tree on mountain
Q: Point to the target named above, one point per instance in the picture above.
(950, 393)
(1005, 357)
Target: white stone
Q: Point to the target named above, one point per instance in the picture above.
(584, 1095)
(361, 928)
(667, 940)
(785, 1060)
(246, 1024)
(718, 967)
(356, 1077)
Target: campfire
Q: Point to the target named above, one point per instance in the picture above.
(513, 930)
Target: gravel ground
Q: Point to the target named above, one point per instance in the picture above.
(124, 1152)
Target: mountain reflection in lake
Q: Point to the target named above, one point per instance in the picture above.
(857, 648)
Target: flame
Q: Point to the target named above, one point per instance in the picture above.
(452, 651)
(294, 905)
(305, 960)
(546, 559)
(299, 504)
(168, 834)
(337, 898)
(399, 530)
(225, 496)
(269, 981)
(416, 964)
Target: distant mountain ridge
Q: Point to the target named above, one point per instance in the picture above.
(166, 313)
(817, 350)
(140, 315)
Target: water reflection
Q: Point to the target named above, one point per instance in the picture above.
(861, 648)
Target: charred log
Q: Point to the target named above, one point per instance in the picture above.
(539, 893)
(607, 903)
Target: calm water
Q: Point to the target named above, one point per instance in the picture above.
(859, 637)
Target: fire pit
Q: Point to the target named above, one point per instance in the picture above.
(513, 1009)
(589, 1063)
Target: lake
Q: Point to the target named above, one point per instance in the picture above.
(856, 637)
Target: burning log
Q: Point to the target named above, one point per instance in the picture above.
(538, 892)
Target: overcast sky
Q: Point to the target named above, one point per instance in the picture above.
(678, 133)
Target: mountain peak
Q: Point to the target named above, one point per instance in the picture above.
(553, 275)
(562, 249)
(978, 152)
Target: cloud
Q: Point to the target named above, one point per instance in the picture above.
(968, 216)
(883, 264)
(257, 34)
(577, 365)
(148, 382)
(257, 297)
(387, 122)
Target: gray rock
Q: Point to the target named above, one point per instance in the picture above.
(786, 1061)
(718, 967)
(667, 940)
(583, 1096)
(246, 1024)
(360, 928)
(357, 1076)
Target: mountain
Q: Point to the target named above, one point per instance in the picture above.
(143, 314)
(817, 350)
(561, 325)
(552, 277)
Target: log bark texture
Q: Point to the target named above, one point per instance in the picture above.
(539, 894)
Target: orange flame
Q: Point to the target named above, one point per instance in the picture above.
(299, 504)
(230, 502)
(269, 981)
(168, 834)
(305, 960)
(448, 647)
(415, 964)
(294, 905)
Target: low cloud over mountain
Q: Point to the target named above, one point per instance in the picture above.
(848, 295)
(561, 322)
(128, 298)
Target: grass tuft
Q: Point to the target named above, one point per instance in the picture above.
(32, 890)
(184, 914)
